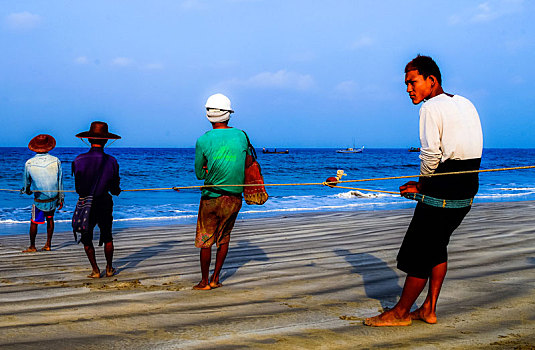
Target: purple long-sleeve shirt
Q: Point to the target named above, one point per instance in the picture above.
(85, 169)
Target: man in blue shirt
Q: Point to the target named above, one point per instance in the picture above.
(43, 177)
(97, 173)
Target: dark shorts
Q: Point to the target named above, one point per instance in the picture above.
(216, 220)
(426, 242)
(39, 216)
(101, 214)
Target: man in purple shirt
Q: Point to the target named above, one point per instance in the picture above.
(99, 172)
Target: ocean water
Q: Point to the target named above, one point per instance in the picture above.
(157, 168)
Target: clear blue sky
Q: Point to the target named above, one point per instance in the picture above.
(299, 73)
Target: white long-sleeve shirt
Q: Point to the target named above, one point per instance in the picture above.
(449, 129)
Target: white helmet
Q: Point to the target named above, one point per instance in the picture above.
(219, 101)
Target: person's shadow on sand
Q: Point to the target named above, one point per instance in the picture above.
(239, 256)
(67, 243)
(75, 239)
(380, 281)
(144, 253)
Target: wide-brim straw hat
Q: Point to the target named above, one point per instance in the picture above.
(42, 143)
(98, 130)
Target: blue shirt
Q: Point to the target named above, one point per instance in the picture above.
(43, 176)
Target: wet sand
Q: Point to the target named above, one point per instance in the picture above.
(294, 282)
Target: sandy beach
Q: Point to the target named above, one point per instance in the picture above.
(293, 282)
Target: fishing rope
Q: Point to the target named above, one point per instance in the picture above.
(335, 183)
(325, 183)
(440, 174)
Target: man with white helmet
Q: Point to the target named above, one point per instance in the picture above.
(219, 160)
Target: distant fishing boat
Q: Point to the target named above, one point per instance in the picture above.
(264, 150)
(351, 150)
(414, 149)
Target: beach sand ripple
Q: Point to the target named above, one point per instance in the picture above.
(296, 282)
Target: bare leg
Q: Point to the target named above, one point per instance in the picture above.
(428, 311)
(90, 252)
(108, 252)
(206, 257)
(33, 233)
(49, 233)
(399, 315)
(219, 260)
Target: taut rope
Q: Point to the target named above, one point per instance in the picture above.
(330, 184)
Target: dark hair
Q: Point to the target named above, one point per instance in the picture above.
(425, 66)
(101, 142)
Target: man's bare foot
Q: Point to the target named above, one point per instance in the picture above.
(46, 248)
(110, 271)
(215, 284)
(428, 317)
(94, 274)
(202, 286)
(386, 319)
(30, 250)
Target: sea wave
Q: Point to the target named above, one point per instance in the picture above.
(320, 208)
(156, 218)
(11, 221)
(504, 195)
(152, 218)
(295, 197)
(358, 194)
(517, 188)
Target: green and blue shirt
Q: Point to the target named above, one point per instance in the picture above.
(223, 152)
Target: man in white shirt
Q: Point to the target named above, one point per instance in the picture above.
(451, 141)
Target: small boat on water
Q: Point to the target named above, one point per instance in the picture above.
(414, 149)
(351, 150)
(264, 150)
